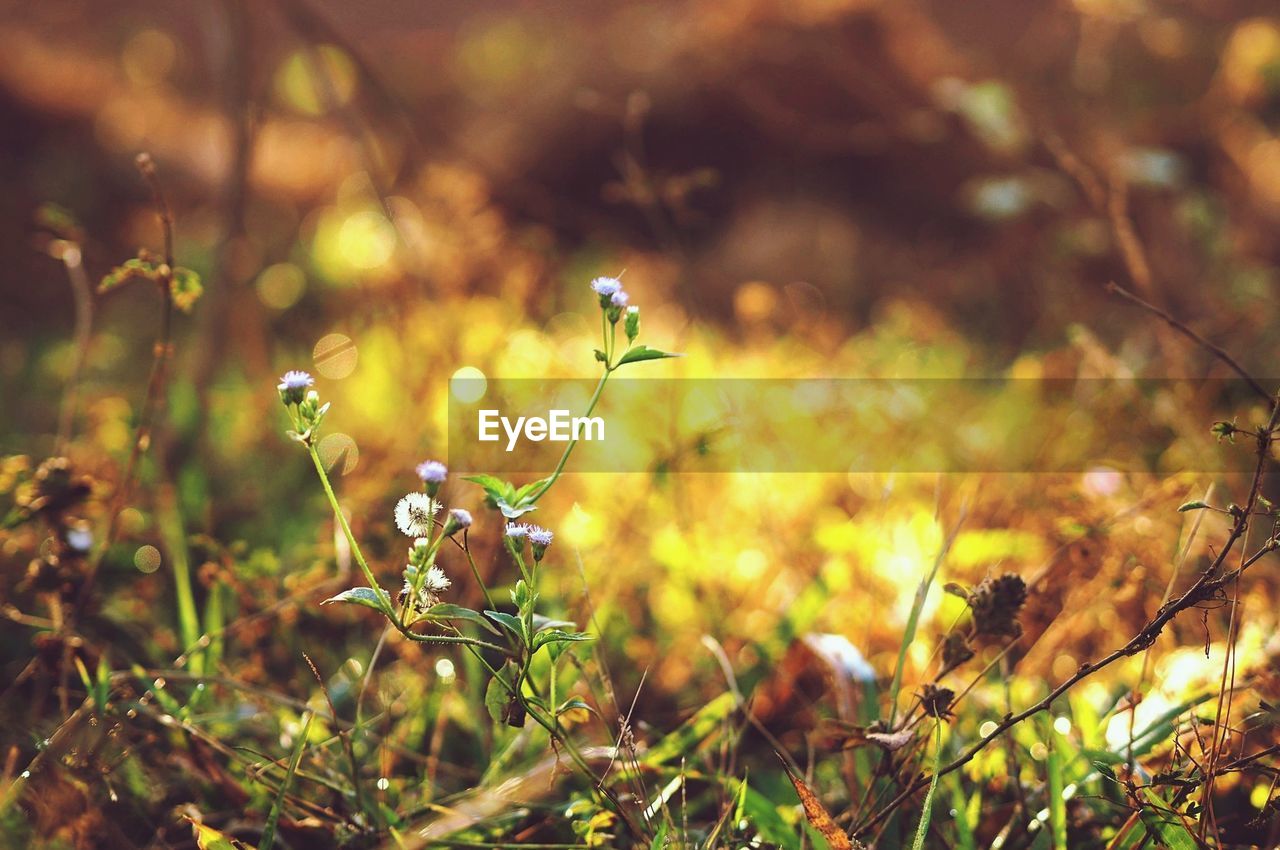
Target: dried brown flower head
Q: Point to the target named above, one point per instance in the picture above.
(937, 701)
(996, 604)
(955, 651)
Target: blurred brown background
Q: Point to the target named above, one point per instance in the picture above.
(840, 151)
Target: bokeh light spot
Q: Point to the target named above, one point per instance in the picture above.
(335, 356)
(281, 285)
(468, 384)
(147, 559)
(366, 240)
(298, 82)
(339, 453)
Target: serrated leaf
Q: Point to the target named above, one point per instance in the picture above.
(494, 487)
(644, 352)
(449, 611)
(366, 596)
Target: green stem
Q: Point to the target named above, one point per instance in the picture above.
(346, 530)
(454, 639)
(475, 571)
(568, 450)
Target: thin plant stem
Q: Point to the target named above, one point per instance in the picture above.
(568, 450)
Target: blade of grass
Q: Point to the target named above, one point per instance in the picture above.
(1057, 805)
(175, 542)
(269, 829)
(909, 636)
(966, 814)
(927, 809)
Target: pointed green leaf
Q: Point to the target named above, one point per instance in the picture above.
(448, 611)
(511, 511)
(508, 622)
(379, 601)
(543, 638)
(644, 352)
(572, 703)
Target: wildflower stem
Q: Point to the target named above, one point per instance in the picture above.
(451, 639)
(346, 530)
(568, 450)
(475, 571)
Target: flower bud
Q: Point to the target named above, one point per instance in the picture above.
(459, 520)
(632, 323)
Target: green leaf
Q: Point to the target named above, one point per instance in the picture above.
(1057, 805)
(530, 489)
(1167, 829)
(1195, 505)
(644, 352)
(693, 731)
(543, 638)
(511, 511)
(448, 611)
(496, 696)
(522, 597)
(508, 622)
(273, 817)
(208, 838)
(763, 814)
(366, 596)
(504, 706)
(540, 622)
(572, 703)
(494, 487)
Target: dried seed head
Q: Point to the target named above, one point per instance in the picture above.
(937, 701)
(996, 604)
(955, 651)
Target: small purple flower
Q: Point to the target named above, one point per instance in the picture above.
(293, 386)
(619, 298)
(540, 538)
(516, 531)
(432, 472)
(605, 287)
